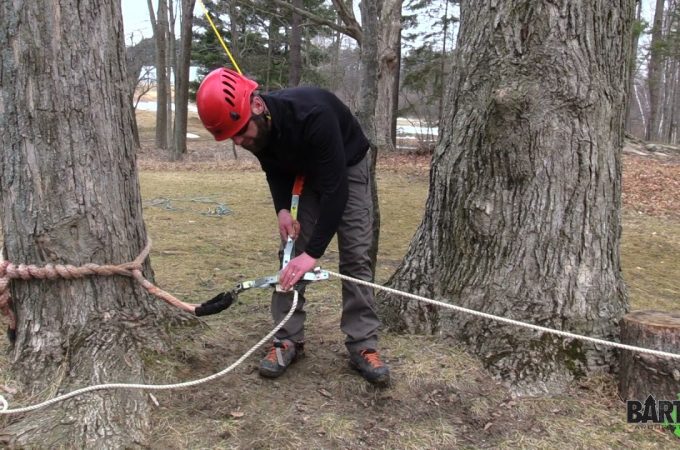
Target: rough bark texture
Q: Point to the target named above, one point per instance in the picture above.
(388, 71)
(523, 219)
(635, 39)
(367, 107)
(295, 70)
(70, 194)
(160, 35)
(642, 374)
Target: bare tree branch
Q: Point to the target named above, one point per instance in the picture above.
(351, 28)
(346, 13)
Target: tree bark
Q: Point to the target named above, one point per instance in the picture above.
(635, 39)
(182, 80)
(654, 74)
(70, 195)
(295, 66)
(171, 65)
(388, 70)
(643, 374)
(367, 105)
(523, 215)
(160, 33)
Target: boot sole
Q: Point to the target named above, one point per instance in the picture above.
(266, 373)
(381, 381)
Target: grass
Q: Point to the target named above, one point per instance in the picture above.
(650, 252)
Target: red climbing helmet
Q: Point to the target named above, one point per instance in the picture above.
(223, 102)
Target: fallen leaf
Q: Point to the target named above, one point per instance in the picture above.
(325, 393)
(8, 389)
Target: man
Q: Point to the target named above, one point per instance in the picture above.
(309, 132)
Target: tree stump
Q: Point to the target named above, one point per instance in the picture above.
(643, 374)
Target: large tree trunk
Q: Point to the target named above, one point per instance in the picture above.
(182, 80)
(522, 219)
(70, 195)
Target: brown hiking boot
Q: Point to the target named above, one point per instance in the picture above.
(368, 363)
(281, 355)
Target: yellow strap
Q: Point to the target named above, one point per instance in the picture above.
(217, 33)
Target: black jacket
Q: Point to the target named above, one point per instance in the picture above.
(313, 134)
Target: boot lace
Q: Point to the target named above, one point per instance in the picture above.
(372, 357)
(272, 355)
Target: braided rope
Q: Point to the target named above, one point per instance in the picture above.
(155, 387)
(518, 323)
(133, 269)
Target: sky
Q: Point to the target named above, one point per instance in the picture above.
(136, 19)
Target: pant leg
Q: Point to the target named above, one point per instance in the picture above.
(308, 212)
(359, 318)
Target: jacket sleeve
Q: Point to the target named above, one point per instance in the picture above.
(325, 142)
(281, 188)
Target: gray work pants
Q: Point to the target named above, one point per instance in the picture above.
(359, 319)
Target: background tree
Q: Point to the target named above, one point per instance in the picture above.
(70, 195)
(139, 57)
(655, 71)
(523, 216)
(426, 65)
(389, 62)
(638, 28)
(159, 24)
(171, 73)
(295, 70)
(182, 80)
(259, 35)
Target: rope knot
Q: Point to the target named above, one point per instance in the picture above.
(133, 269)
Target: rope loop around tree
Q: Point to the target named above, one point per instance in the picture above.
(133, 269)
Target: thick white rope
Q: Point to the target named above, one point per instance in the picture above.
(518, 323)
(154, 387)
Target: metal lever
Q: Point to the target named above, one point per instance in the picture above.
(271, 281)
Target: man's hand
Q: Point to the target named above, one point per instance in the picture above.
(288, 226)
(296, 269)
